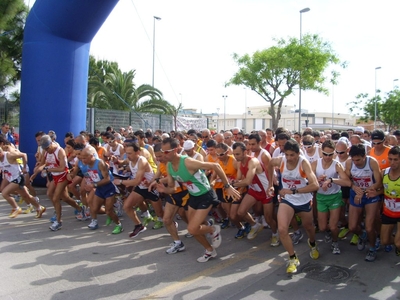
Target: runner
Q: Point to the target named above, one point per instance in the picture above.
(202, 197)
(298, 184)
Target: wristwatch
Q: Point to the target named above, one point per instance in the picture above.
(95, 185)
(294, 190)
(227, 186)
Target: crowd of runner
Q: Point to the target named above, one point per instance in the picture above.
(296, 184)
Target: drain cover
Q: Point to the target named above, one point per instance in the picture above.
(326, 273)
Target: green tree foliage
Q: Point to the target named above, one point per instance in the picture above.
(110, 88)
(274, 73)
(386, 109)
(12, 21)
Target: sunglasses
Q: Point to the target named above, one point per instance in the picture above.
(222, 154)
(112, 141)
(327, 154)
(340, 152)
(205, 136)
(377, 143)
(167, 151)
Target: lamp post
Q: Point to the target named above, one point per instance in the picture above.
(394, 85)
(304, 10)
(294, 118)
(333, 102)
(224, 96)
(217, 119)
(154, 45)
(245, 110)
(376, 100)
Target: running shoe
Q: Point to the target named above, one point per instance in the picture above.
(19, 199)
(118, 229)
(240, 234)
(254, 231)
(343, 232)
(335, 248)
(354, 240)
(264, 223)
(158, 224)
(40, 212)
(247, 228)
(377, 243)
(15, 212)
(298, 219)
(314, 253)
(147, 220)
(93, 224)
(108, 221)
(81, 216)
(371, 255)
(328, 237)
(292, 265)
(216, 237)
(54, 217)
(216, 217)
(188, 235)
(55, 226)
(225, 224)
(138, 229)
(296, 237)
(29, 210)
(275, 240)
(176, 247)
(206, 256)
(388, 248)
(362, 240)
(397, 252)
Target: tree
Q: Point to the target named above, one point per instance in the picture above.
(12, 22)
(386, 108)
(174, 112)
(110, 88)
(274, 73)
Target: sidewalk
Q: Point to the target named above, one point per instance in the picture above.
(77, 263)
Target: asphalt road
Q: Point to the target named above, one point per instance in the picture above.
(77, 263)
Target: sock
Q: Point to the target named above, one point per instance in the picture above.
(146, 214)
(177, 242)
(293, 256)
(312, 244)
(159, 219)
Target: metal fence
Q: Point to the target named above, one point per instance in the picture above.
(101, 118)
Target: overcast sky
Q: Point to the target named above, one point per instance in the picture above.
(195, 41)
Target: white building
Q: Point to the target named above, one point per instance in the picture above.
(257, 118)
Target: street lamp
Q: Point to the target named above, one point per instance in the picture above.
(218, 120)
(304, 10)
(154, 45)
(294, 118)
(333, 102)
(394, 85)
(224, 96)
(376, 100)
(245, 110)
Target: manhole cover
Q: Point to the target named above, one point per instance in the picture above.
(326, 273)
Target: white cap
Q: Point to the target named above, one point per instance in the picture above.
(359, 129)
(187, 145)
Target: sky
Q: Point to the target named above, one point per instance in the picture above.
(195, 40)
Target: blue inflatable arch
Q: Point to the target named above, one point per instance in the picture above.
(55, 62)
